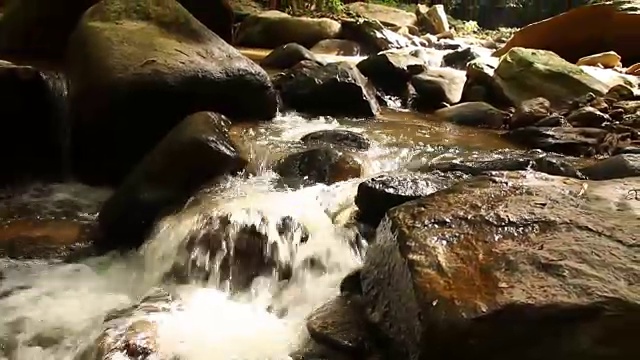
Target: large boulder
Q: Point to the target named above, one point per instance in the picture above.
(528, 266)
(390, 71)
(610, 26)
(288, 55)
(38, 30)
(333, 89)
(436, 87)
(524, 74)
(32, 113)
(217, 15)
(432, 20)
(195, 152)
(324, 165)
(387, 15)
(271, 29)
(136, 68)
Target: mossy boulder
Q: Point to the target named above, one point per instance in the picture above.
(137, 68)
(527, 73)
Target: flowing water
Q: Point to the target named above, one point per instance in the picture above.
(53, 310)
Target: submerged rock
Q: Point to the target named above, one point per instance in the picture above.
(237, 247)
(272, 28)
(339, 47)
(474, 114)
(449, 274)
(336, 137)
(383, 192)
(195, 152)
(137, 68)
(333, 89)
(319, 165)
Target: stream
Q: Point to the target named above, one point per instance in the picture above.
(53, 310)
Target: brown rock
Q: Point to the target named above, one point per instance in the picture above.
(633, 69)
(607, 60)
(604, 27)
(474, 114)
(450, 274)
(588, 117)
(530, 111)
(568, 140)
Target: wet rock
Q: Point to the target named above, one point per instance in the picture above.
(458, 59)
(615, 167)
(481, 84)
(197, 151)
(339, 47)
(137, 68)
(333, 89)
(436, 86)
(530, 112)
(33, 119)
(525, 74)
(381, 193)
(373, 36)
(38, 30)
(477, 114)
(548, 253)
(217, 15)
(286, 56)
(341, 138)
(516, 161)
(588, 117)
(340, 325)
(628, 106)
(621, 92)
(320, 165)
(554, 120)
(568, 141)
(605, 60)
(390, 71)
(261, 246)
(616, 21)
(272, 28)
(131, 333)
(386, 15)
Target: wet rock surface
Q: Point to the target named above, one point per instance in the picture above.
(383, 192)
(391, 71)
(469, 261)
(615, 167)
(318, 165)
(333, 89)
(196, 152)
(435, 87)
(341, 138)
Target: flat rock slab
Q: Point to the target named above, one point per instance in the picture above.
(511, 265)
